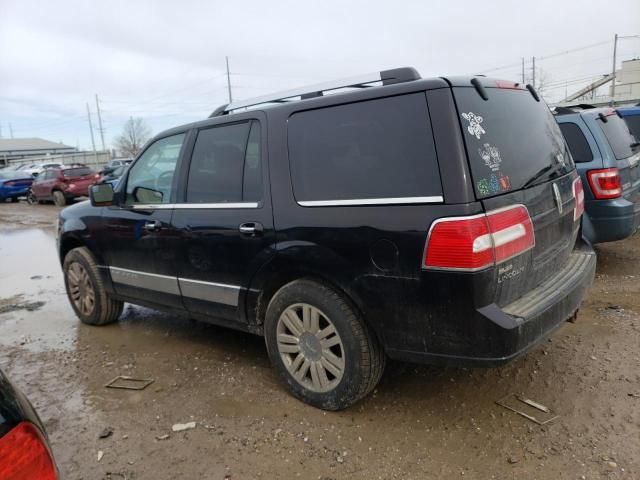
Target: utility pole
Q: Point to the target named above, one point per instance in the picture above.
(10, 130)
(533, 72)
(93, 141)
(523, 81)
(228, 80)
(100, 123)
(0, 130)
(613, 70)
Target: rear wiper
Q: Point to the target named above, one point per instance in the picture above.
(537, 176)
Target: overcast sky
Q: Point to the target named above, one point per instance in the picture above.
(164, 61)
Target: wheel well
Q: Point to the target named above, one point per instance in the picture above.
(68, 244)
(280, 279)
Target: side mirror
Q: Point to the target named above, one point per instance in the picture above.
(101, 195)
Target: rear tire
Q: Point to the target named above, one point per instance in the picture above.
(31, 198)
(89, 299)
(331, 371)
(59, 199)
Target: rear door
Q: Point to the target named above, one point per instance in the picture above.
(517, 155)
(44, 183)
(224, 220)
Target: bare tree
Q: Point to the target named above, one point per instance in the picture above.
(134, 135)
(543, 81)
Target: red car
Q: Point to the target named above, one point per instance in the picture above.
(62, 185)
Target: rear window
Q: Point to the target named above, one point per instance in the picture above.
(633, 122)
(512, 140)
(578, 144)
(379, 150)
(618, 136)
(77, 172)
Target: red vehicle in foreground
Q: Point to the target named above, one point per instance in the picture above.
(62, 185)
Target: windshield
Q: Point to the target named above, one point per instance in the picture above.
(512, 140)
(618, 135)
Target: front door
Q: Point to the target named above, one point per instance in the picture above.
(224, 220)
(139, 241)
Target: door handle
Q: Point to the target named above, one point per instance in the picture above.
(152, 226)
(251, 229)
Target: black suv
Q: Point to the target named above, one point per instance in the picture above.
(430, 220)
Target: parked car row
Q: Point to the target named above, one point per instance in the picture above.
(607, 158)
(427, 220)
(58, 183)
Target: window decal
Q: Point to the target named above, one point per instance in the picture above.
(474, 127)
(491, 157)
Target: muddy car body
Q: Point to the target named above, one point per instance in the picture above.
(429, 220)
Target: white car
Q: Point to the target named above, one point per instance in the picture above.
(35, 169)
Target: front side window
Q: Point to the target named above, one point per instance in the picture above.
(151, 177)
(226, 165)
(364, 152)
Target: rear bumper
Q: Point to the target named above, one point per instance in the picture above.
(610, 220)
(77, 191)
(497, 335)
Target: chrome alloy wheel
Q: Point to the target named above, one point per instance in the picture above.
(81, 289)
(310, 347)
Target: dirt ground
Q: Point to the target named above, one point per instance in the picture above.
(421, 422)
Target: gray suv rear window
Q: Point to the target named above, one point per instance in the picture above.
(618, 136)
(376, 149)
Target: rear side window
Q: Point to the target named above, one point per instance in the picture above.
(226, 165)
(618, 136)
(373, 150)
(513, 141)
(578, 145)
(77, 172)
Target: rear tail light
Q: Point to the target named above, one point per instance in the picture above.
(605, 183)
(480, 241)
(578, 194)
(24, 455)
(10, 183)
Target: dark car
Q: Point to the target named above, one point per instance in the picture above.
(607, 157)
(430, 220)
(24, 451)
(62, 185)
(14, 184)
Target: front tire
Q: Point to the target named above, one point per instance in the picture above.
(320, 346)
(59, 199)
(89, 299)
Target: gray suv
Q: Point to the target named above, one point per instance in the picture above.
(608, 160)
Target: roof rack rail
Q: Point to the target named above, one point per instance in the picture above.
(387, 77)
